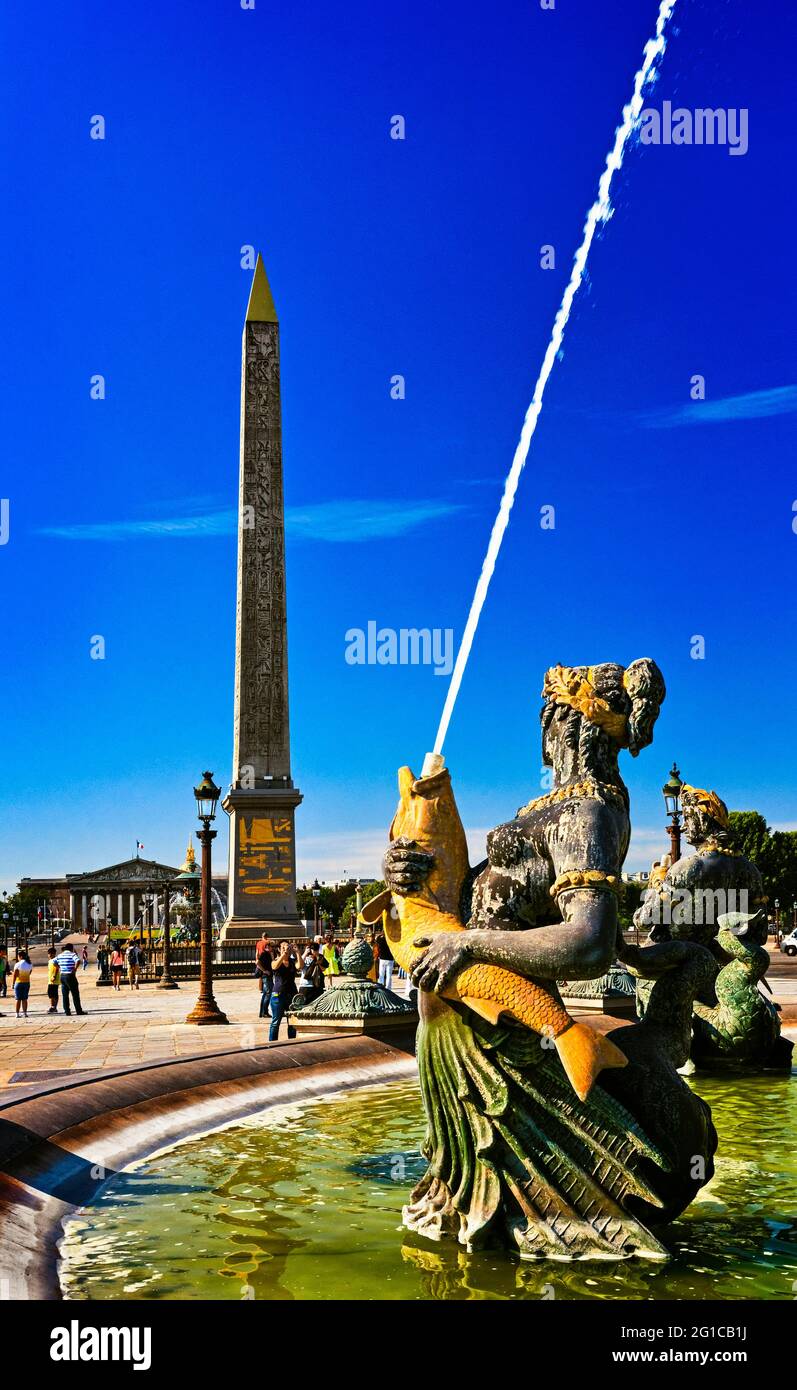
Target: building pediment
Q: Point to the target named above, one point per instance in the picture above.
(130, 871)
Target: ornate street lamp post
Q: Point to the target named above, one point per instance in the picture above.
(672, 800)
(206, 1010)
(316, 896)
(166, 981)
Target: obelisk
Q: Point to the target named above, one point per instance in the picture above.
(262, 799)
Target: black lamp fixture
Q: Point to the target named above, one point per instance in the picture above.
(207, 796)
(672, 792)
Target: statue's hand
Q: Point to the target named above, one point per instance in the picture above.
(405, 868)
(444, 956)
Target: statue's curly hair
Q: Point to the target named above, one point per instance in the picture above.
(711, 828)
(636, 691)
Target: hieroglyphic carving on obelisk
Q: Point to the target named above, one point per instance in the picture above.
(262, 800)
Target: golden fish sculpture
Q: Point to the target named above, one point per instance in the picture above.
(428, 815)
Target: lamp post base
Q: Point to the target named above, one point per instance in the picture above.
(166, 982)
(206, 1011)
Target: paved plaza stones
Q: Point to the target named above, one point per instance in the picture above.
(123, 1029)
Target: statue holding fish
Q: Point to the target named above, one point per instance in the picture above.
(542, 1133)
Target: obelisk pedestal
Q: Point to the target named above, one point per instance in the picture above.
(262, 800)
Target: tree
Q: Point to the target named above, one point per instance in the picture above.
(629, 900)
(24, 905)
(781, 879)
(773, 852)
(369, 891)
(749, 835)
(328, 903)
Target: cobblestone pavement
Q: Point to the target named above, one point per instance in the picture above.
(121, 1029)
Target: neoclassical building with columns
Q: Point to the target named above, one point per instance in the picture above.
(129, 894)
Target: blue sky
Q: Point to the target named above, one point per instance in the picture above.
(271, 127)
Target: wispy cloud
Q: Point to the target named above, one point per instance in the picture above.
(753, 405)
(338, 522)
(363, 521)
(647, 843)
(359, 852)
(221, 523)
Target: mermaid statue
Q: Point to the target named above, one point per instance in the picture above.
(542, 1135)
(716, 896)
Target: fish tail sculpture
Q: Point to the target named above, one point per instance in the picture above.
(428, 815)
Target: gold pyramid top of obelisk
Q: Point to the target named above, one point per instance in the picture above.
(260, 308)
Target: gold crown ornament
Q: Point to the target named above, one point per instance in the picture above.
(566, 685)
(709, 801)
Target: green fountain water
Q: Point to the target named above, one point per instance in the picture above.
(305, 1203)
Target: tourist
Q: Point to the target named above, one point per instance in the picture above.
(53, 978)
(135, 963)
(117, 967)
(21, 981)
(84, 956)
(264, 972)
(283, 988)
(329, 951)
(67, 961)
(386, 959)
(311, 980)
(3, 972)
(373, 973)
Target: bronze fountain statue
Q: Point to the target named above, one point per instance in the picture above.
(540, 1134)
(716, 897)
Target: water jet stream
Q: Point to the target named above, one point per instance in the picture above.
(599, 212)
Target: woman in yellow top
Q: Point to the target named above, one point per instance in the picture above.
(53, 980)
(21, 981)
(330, 953)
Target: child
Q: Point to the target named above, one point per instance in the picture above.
(53, 980)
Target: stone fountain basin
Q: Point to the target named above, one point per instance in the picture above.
(60, 1142)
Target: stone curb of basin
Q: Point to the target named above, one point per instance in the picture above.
(60, 1143)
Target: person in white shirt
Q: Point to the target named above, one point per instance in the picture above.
(67, 962)
(21, 982)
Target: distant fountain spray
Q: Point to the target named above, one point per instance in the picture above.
(599, 212)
